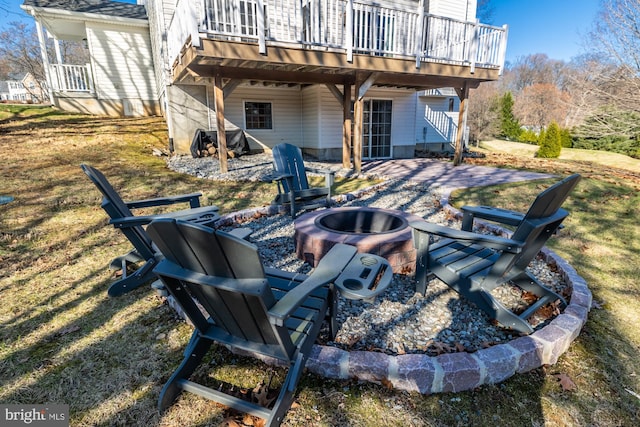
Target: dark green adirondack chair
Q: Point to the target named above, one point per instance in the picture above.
(474, 264)
(245, 306)
(290, 174)
(137, 265)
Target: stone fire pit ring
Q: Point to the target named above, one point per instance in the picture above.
(378, 231)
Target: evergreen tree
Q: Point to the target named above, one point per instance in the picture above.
(509, 125)
(550, 142)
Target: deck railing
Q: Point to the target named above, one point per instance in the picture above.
(349, 25)
(71, 78)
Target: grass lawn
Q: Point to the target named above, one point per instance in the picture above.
(63, 340)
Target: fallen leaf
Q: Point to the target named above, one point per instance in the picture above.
(229, 422)
(565, 382)
(260, 394)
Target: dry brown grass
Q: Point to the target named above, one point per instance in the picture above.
(62, 340)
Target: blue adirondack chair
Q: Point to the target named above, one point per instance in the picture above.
(474, 264)
(244, 306)
(137, 265)
(290, 174)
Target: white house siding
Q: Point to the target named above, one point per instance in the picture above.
(402, 119)
(436, 126)
(286, 109)
(464, 10)
(159, 16)
(122, 64)
(312, 132)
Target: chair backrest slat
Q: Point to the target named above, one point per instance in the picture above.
(287, 158)
(242, 312)
(116, 208)
(540, 222)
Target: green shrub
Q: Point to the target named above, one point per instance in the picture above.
(566, 140)
(528, 137)
(509, 125)
(550, 142)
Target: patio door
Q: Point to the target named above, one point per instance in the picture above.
(376, 129)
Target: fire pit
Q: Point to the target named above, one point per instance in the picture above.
(377, 231)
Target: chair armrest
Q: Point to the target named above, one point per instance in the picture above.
(193, 199)
(132, 221)
(277, 176)
(326, 272)
(487, 240)
(329, 175)
(502, 216)
(205, 215)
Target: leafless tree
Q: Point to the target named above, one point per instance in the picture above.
(20, 48)
(536, 68)
(540, 104)
(613, 86)
(482, 115)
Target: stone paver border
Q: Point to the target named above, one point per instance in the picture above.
(454, 372)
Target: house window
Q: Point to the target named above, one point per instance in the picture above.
(257, 115)
(451, 105)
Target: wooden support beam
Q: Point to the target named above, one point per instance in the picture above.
(346, 127)
(463, 94)
(231, 86)
(222, 137)
(335, 91)
(366, 84)
(358, 107)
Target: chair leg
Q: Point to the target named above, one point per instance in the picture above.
(421, 243)
(127, 283)
(285, 398)
(530, 284)
(193, 354)
(332, 311)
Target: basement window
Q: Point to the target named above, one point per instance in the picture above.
(257, 115)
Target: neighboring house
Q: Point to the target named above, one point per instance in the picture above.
(27, 89)
(280, 69)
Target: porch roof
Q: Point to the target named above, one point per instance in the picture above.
(100, 7)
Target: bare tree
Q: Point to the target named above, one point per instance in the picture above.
(20, 49)
(482, 115)
(614, 85)
(19, 45)
(540, 104)
(537, 68)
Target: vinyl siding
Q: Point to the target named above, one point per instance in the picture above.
(122, 62)
(464, 10)
(403, 114)
(433, 114)
(286, 108)
(311, 107)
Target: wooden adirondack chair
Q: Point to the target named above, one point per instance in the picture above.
(244, 306)
(290, 174)
(474, 264)
(133, 274)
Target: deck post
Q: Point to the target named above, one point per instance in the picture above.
(346, 126)
(222, 137)
(358, 107)
(463, 94)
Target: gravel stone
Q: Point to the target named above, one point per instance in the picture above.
(400, 321)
